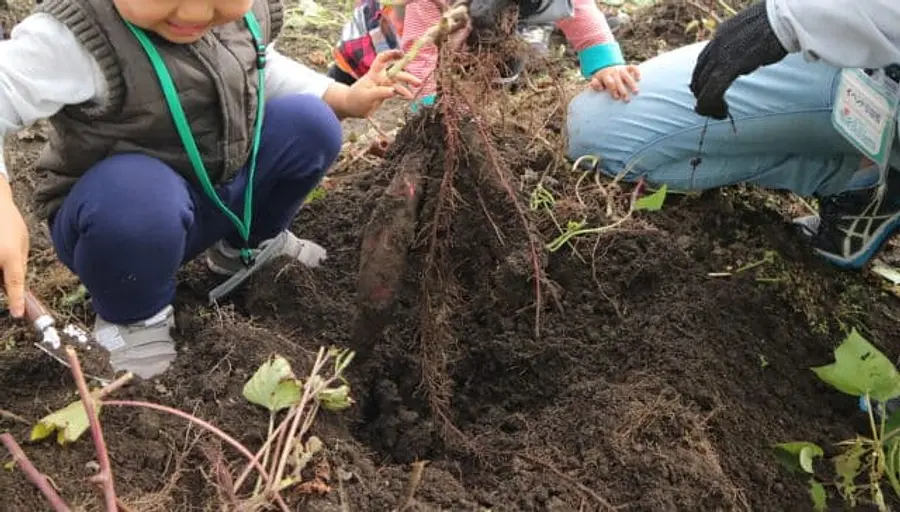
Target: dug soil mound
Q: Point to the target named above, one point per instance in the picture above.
(649, 363)
(644, 383)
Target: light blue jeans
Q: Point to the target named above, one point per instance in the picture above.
(782, 137)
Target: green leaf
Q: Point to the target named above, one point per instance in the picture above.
(818, 495)
(69, 423)
(798, 455)
(316, 194)
(273, 386)
(652, 202)
(335, 399)
(860, 368)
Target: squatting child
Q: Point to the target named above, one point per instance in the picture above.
(376, 27)
(177, 130)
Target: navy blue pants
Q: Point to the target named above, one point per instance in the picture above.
(131, 221)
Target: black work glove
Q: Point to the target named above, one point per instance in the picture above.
(485, 14)
(528, 8)
(740, 46)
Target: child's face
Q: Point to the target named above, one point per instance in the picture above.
(181, 21)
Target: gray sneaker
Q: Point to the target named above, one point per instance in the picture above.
(225, 260)
(144, 348)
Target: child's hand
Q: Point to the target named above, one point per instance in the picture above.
(13, 251)
(617, 80)
(368, 93)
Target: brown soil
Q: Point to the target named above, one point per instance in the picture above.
(645, 388)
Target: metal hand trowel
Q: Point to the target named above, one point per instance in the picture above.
(53, 339)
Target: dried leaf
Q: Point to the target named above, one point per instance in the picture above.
(69, 423)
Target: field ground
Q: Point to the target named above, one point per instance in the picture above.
(652, 385)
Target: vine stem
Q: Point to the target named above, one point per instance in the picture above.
(210, 428)
(105, 477)
(33, 474)
(308, 396)
(290, 429)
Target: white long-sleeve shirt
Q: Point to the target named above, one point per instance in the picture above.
(843, 33)
(43, 68)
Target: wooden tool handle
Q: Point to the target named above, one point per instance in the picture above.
(34, 309)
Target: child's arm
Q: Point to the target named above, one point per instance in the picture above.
(43, 68)
(599, 53)
(287, 76)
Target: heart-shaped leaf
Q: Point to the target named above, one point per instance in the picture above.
(273, 386)
(860, 368)
(654, 201)
(798, 455)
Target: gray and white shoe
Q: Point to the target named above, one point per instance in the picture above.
(144, 348)
(224, 260)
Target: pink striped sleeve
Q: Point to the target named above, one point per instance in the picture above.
(420, 16)
(588, 27)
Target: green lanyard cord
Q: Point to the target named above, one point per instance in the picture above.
(187, 137)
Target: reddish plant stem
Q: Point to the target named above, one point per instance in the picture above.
(280, 432)
(107, 485)
(210, 428)
(279, 444)
(34, 476)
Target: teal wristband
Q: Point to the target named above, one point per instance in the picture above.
(424, 101)
(595, 58)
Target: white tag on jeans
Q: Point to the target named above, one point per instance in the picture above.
(865, 113)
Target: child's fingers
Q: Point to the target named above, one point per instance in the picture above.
(618, 89)
(630, 82)
(403, 92)
(635, 72)
(384, 58)
(610, 83)
(382, 92)
(407, 78)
